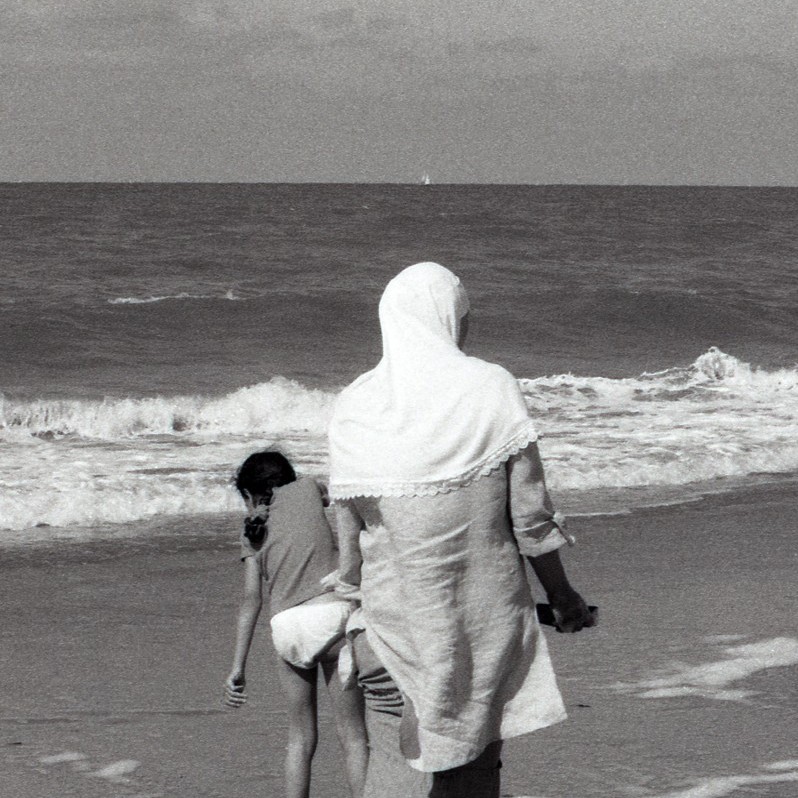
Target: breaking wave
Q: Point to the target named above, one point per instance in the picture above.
(82, 462)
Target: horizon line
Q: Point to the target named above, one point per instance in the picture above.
(498, 184)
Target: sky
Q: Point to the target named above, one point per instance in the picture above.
(470, 91)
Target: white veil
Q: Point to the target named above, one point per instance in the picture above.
(428, 418)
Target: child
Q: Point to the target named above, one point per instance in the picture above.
(292, 553)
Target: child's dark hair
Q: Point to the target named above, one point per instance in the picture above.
(258, 476)
(262, 472)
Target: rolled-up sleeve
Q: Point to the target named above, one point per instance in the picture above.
(536, 527)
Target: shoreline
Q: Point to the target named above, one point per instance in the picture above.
(114, 654)
(203, 530)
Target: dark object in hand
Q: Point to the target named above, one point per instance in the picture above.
(546, 614)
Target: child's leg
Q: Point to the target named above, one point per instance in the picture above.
(348, 707)
(299, 687)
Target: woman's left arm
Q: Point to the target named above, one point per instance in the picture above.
(540, 533)
(538, 529)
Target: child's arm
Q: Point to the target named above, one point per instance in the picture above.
(234, 694)
(348, 525)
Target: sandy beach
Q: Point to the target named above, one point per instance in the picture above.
(113, 657)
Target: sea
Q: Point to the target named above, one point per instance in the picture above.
(153, 335)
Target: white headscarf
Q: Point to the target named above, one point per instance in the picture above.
(428, 418)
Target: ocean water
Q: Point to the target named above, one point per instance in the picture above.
(151, 336)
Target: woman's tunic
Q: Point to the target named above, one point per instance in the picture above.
(448, 610)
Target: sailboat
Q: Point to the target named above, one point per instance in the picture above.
(425, 181)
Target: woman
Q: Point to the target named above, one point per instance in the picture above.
(437, 481)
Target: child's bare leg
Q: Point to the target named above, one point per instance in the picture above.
(350, 725)
(299, 687)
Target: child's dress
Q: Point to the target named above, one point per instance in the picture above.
(297, 553)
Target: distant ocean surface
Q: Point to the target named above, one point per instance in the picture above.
(154, 335)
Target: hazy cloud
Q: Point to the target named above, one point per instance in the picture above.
(514, 45)
(522, 89)
(337, 20)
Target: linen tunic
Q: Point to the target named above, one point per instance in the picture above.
(450, 613)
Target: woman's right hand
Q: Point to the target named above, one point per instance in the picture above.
(234, 695)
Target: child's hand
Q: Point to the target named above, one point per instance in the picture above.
(330, 581)
(347, 590)
(234, 695)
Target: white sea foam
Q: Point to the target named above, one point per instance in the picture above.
(720, 786)
(717, 418)
(712, 679)
(132, 300)
(65, 756)
(84, 462)
(117, 772)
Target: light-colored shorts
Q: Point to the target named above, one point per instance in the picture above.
(304, 632)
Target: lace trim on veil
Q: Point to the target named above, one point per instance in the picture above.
(340, 491)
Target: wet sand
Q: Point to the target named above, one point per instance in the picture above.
(113, 655)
